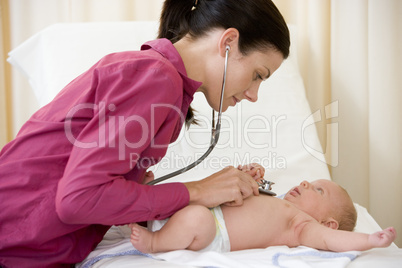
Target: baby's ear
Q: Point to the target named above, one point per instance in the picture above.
(331, 223)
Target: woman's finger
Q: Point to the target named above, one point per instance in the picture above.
(229, 185)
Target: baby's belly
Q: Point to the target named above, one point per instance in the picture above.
(260, 222)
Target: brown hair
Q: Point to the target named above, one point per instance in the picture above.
(347, 215)
(259, 22)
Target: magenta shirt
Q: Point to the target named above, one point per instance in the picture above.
(76, 167)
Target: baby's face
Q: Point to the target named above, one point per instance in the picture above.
(318, 198)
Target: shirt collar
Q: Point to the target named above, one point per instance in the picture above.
(167, 50)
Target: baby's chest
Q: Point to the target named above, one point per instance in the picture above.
(280, 222)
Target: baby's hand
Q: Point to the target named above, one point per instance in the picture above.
(254, 170)
(382, 238)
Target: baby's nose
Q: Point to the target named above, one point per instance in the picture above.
(305, 184)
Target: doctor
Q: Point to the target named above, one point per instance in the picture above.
(77, 165)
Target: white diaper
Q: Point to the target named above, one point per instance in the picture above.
(221, 241)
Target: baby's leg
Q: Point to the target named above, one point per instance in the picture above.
(192, 227)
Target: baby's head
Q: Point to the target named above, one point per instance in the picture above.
(325, 201)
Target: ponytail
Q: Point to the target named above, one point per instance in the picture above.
(174, 26)
(174, 19)
(260, 24)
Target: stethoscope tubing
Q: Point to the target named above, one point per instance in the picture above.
(214, 132)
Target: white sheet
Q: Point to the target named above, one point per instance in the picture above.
(270, 257)
(116, 251)
(275, 132)
(53, 57)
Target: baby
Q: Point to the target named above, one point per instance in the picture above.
(319, 214)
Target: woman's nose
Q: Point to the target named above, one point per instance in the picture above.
(252, 94)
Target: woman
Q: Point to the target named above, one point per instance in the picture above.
(77, 166)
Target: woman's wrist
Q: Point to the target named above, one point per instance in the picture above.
(194, 192)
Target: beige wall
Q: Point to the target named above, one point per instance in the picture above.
(5, 82)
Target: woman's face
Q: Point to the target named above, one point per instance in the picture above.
(244, 76)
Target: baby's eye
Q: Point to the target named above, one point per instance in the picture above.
(320, 190)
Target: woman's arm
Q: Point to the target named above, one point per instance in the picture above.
(318, 236)
(101, 182)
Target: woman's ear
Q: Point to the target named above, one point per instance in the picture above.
(331, 223)
(229, 38)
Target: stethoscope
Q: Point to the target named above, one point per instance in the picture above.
(264, 185)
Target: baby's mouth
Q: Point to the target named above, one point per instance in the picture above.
(295, 192)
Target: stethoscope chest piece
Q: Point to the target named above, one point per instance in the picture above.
(265, 187)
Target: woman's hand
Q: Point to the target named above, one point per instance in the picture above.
(254, 170)
(148, 177)
(229, 186)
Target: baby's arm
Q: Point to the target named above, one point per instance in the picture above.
(315, 235)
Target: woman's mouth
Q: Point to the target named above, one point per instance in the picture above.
(235, 100)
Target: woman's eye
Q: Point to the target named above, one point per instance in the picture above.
(258, 76)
